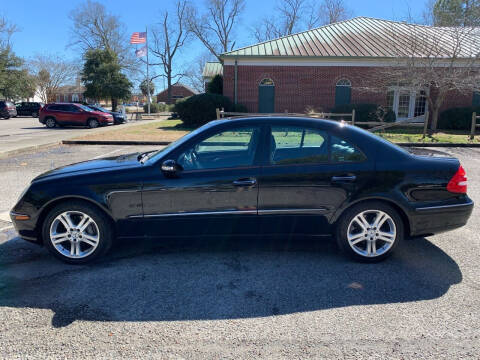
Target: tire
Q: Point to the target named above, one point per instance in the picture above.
(93, 123)
(367, 242)
(50, 123)
(78, 245)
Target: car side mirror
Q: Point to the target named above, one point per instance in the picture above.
(170, 168)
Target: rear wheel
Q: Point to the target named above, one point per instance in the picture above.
(93, 123)
(77, 232)
(370, 231)
(50, 123)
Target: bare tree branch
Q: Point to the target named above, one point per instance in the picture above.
(168, 39)
(437, 61)
(51, 73)
(214, 29)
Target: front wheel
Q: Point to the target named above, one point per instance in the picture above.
(370, 231)
(77, 233)
(93, 123)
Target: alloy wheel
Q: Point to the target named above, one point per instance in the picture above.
(371, 233)
(74, 234)
(50, 123)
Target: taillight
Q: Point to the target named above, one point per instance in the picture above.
(458, 183)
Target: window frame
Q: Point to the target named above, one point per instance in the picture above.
(257, 158)
(328, 140)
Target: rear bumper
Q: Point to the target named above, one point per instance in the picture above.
(441, 218)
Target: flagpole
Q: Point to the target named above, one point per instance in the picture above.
(148, 76)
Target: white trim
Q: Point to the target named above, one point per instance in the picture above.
(412, 98)
(319, 61)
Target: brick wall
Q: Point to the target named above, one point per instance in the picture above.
(177, 92)
(300, 87)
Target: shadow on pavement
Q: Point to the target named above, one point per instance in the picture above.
(217, 279)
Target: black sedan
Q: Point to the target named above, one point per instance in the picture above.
(262, 176)
(118, 117)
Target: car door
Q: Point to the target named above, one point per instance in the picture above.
(309, 175)
(217, 191)
(75, 115)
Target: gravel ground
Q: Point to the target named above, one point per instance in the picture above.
(223, 298)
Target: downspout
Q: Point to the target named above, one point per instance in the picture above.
(235, 82)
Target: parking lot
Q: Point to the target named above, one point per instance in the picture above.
(238, 298)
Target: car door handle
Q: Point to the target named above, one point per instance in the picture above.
(245, 182)
(346, 178)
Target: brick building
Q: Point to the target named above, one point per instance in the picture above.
(324, 67)
(71, 93)
(179, 91)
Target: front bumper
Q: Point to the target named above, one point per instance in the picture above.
(436, 219)
(26, 229)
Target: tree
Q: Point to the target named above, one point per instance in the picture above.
(168, 39)
(286, 20)
(15, 81)
(214, 28)
(93, 27)
(456, 13)
(332, 11)
(290, 16)
(215, 86)
(441, 62)
(103, 78)
(145, 90)
(51, 72)
(194, 73)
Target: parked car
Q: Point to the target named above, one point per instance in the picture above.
(7, 109)
(260, 176)
(118, 117)
(62, 114)
(29, 108)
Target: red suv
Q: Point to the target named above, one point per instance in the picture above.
(72, 114)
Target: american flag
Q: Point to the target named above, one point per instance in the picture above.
(138, 38)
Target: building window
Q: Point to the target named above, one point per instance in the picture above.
(65, 98)
(343, 92)
(407, 103)
(267, 82)
(75, 98)
(58, 99)
(420, 103)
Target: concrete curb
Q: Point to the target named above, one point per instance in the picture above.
(6, 154)
(113, 142)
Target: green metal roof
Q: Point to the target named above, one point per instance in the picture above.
(212, 68)
(367, 37)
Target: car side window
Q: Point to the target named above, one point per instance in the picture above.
(343, 151)
(73, 108)
(226, 149)
(297, 145)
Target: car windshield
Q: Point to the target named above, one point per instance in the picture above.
(98, 108)
(83, 107)
(158, 154)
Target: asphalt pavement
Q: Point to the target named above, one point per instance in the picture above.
(27, 133)
(238, 298)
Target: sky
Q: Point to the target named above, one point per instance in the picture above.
(45, 25)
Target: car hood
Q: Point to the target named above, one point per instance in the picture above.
(94, 166)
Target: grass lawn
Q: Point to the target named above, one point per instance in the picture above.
(415, 135)
(156, 130)
(170, 130)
